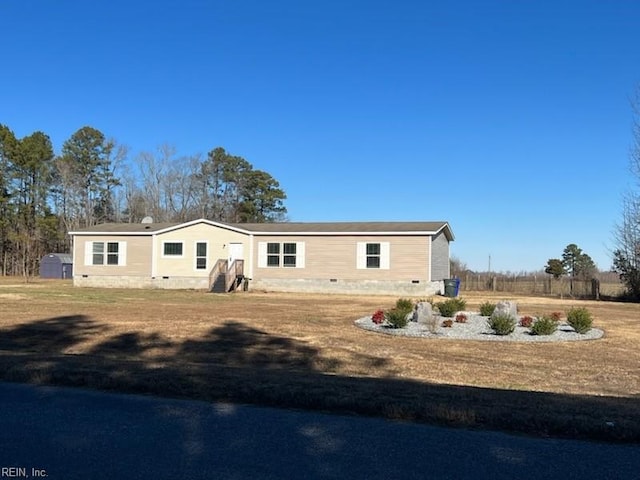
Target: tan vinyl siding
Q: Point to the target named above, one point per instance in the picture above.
(137, 255)
(217, 239)
(329, 257)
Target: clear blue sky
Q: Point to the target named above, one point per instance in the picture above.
(509, 119)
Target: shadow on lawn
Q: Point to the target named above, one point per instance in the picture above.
(52, 335)
(238, 345)
(238, 363)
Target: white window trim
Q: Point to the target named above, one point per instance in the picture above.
(88, 253)
(262, 254)
(282, 255)
(300, 255)
(122, 254)
(172, 256)
(195, 255)
(361, 256)
(273, 255)
(385, 255)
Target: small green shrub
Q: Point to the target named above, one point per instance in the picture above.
(461, 303)
(449, 307)
(397, 318)
(502, 324)
(544, 325)
(404, 304)
(580, 319)
(487, 308)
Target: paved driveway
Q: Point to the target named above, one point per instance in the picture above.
(76, 434)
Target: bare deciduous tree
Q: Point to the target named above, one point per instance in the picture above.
(626, 256)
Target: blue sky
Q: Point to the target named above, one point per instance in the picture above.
(509, 119)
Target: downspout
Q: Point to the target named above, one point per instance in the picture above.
(153, 256)
(250, 269)
(430, 257)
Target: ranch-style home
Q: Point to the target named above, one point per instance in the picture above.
(409, 258)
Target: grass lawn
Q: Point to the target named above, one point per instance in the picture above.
(303, 351)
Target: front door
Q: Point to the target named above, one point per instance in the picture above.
(236, 252)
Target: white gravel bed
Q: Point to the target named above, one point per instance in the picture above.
(476, 328)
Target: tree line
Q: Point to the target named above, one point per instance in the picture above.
(574, 263)
(44, 195)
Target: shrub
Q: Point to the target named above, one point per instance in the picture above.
(447, 323)
(461, 303)
(544, 325)
(487, 308)
(461, 318)
(502, 324)
(580, 319)
(526, 321)
(378, 317)
(449, 307)
(557, 316)
(404, 304)
(396, 318)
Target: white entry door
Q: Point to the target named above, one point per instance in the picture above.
(236, 252)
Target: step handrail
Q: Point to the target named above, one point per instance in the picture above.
(218, 269)
(233, 271)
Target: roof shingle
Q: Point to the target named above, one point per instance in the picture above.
(284, 228)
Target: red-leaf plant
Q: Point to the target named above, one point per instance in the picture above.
(378, 317)
(526, 321)
(461, 318)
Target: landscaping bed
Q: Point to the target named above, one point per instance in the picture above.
(476, 328)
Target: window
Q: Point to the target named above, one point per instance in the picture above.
(201, 255)
(273, 254)
(289, 257)
(172, 249)
(105, 253)
(285, 254)
(373, 255)
(98, 253)
(112, 253)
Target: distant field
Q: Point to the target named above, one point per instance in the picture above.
(303, 351)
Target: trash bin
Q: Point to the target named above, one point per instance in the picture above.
(457, 286)
(450, 287)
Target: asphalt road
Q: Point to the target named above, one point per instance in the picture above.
(75, 434)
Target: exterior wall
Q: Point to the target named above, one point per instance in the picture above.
(218, 240)
(138, 256)
(335, 257)
(440, 266)
(357, 287)
(329, 265)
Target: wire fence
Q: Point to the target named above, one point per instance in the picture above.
(602, 285)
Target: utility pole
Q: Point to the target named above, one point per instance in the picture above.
(489, 263)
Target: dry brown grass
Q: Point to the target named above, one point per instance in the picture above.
(304, 351)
